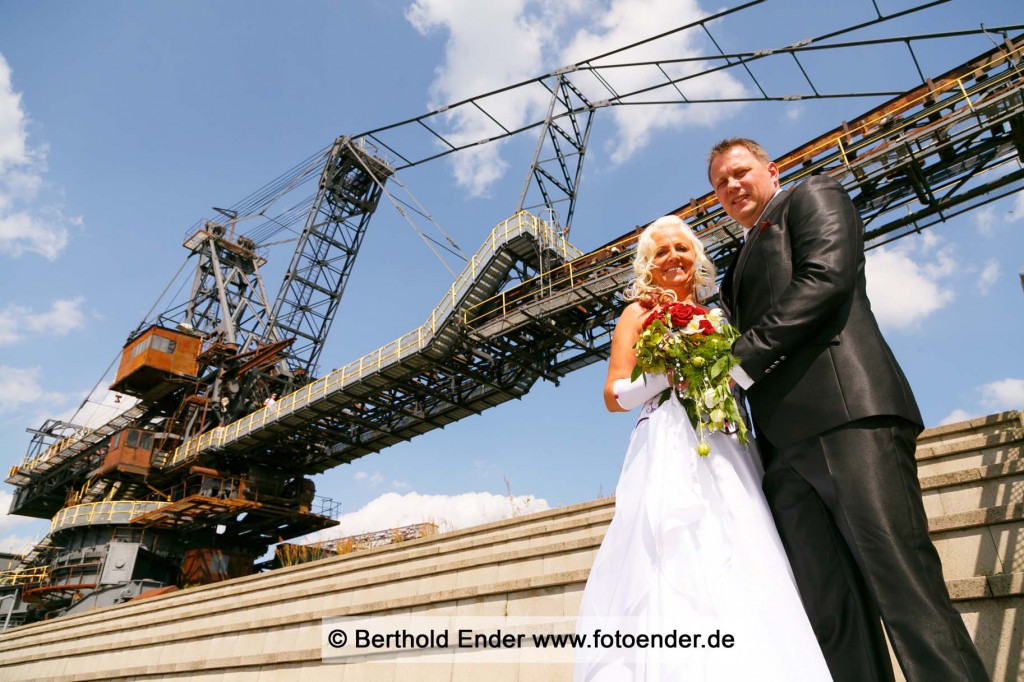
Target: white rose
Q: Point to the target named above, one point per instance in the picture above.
(717, 416)
(710, 398)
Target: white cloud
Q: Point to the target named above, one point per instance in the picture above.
(904, 290)
(794, 112)
(942, 263)
(16, 531)
(371, 479)
(495, 44)
(41, 229)
(989, 275)
(452, 512)
(23, 232)
(955, 416)
(20, 385)
(985, 221)
(18, 544)
(489, 45)
(995, 396)
(63, 317)
(989, 223)
(13, 147)
(1006, 394)
(9, 328)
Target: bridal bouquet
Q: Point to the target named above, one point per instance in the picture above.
(693, 344)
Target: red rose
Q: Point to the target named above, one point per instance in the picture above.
(707, 327)
(656, 315)
(682, 313)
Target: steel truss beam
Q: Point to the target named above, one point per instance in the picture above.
(228, 303)
(939, 150)
(495, 359)
(949, 145)
(350, 187)
(430, 127)
(557, 165)
(435, 134)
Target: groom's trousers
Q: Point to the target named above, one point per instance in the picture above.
(848, 507)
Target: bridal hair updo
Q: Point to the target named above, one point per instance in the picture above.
(643, 290)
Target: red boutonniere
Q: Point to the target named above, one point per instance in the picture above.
(764, 225)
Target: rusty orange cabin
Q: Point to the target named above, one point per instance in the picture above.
(129, 451)
(154, 362)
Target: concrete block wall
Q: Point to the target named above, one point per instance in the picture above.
(268, 627)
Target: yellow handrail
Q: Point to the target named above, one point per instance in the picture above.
(24, 576)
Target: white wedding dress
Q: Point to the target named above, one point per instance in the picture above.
(693, 549)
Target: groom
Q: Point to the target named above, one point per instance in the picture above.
(836, 424)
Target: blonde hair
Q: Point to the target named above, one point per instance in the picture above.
(644, 290)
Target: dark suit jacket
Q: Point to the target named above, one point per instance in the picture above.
(810, 341)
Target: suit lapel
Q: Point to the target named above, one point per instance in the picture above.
(772, 217)
(741, 259)
(736, 272)
(725, 295)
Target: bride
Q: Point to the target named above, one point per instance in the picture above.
(691, 559)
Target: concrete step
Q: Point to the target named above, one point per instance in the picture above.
(979, 426)
(964, 450)
(993, 485)
(983, 587)
(980, 542)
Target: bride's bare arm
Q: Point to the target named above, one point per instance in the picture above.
(623, 359)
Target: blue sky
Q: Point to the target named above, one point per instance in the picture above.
(122, 123)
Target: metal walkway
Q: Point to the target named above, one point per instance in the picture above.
(424, 380)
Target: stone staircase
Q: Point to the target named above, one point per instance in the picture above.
(972, 479)
(268, 627)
